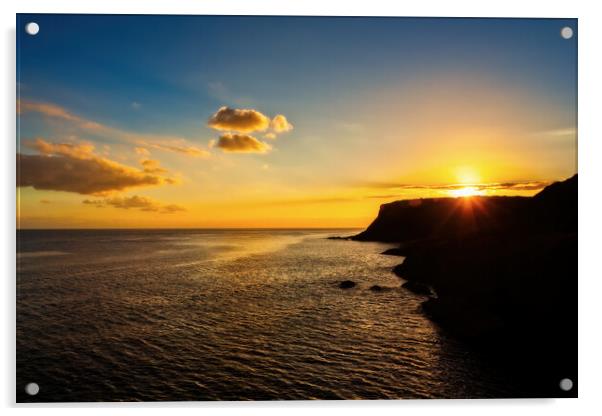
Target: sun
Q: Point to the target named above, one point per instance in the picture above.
(466, 191)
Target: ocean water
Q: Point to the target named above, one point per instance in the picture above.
(129, 315)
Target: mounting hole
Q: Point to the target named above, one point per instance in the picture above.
(566, 384)
(32, 28)
(32, 389)
(566, 32)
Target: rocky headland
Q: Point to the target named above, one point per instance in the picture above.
(498, 272)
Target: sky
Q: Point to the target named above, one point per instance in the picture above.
(294, 122)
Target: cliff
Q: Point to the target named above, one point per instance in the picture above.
(502, 271)
(554, 208)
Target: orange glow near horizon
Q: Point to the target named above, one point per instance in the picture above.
(318, 174)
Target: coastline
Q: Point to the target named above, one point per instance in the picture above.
(497, 272)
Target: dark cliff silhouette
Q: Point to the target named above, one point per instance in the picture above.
(501, 273)
(552, 209)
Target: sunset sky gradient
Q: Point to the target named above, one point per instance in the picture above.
(210, 121)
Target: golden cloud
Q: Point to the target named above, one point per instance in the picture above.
(171, 208)
(152, 166)
(240, 120)
(77, 150)
(142, 141)
(52, 110)
(141, 203)
(280, 124)
(241, 143)
(176, 147)
(75, 168)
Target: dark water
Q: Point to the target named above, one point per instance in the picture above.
(227, 315)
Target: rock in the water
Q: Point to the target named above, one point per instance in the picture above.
(417, 287)
(347, 284)
(378, 288)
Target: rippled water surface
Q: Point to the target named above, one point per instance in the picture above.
(226, 315)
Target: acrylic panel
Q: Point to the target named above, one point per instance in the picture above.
(295, 208)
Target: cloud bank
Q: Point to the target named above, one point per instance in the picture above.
(76, 168)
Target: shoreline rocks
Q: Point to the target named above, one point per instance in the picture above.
(417, 288)
(395, 251)
(504, 271)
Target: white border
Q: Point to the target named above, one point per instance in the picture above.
(590, 232)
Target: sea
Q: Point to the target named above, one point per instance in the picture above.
(228, 314)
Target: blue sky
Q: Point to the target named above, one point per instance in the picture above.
(100, 64)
